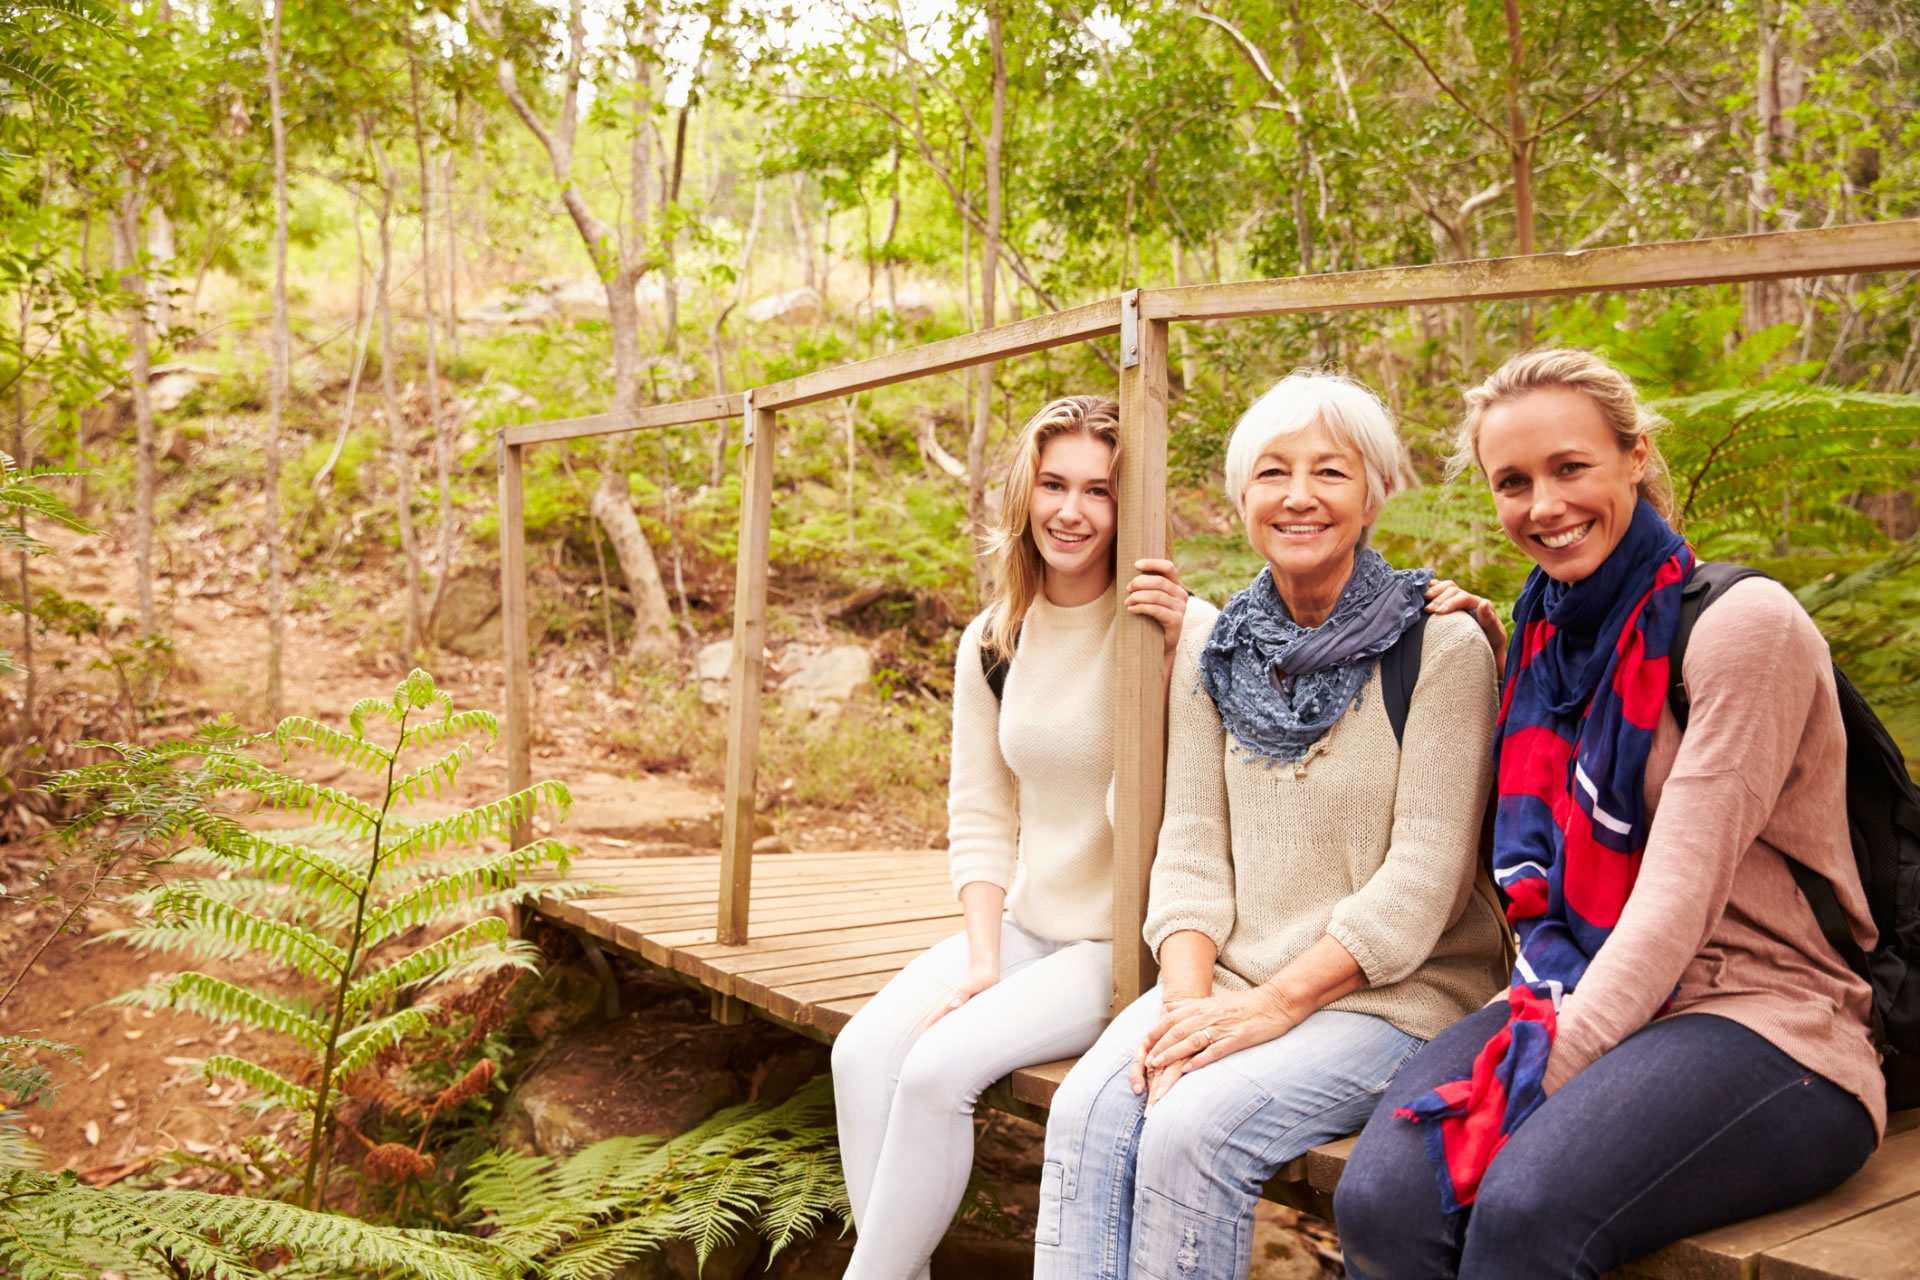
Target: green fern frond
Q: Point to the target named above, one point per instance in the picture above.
(774, 1169)
(353, 750)
(360, 1045)
(30, 1083)
(211, 1236)
(459, 722)
(600, 1251)
(264, 1080)
(393, 879)
(322, 804)
(470, 826)
(417, 693)
(441, 772)
(811, 1190)
(287, 942)
(724, 1210)
(261, 897)
(89, 13)
(433, 898)
(512, 1185)
(376, 985)
(382, 707)
(1736, 456)
(221, 1001)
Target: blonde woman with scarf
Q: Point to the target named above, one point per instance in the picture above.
(1680, 1047)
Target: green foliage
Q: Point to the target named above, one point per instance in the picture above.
(1870, 615)
(1759, 469)
(331, 906)
(22, 1084)
(55, 1227)
(29, 70)
(774, 1170)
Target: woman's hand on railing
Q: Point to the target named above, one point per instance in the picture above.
(1158, 594)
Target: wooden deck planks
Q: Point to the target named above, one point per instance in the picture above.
(828, 931)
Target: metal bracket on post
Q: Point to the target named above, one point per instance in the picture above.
(500, 452)
(746, 413)
(1130, 328)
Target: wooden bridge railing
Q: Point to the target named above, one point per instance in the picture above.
(1141, 317)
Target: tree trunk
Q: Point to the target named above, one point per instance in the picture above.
(453, 256)
(411, 636)
(620, 268)
(989, 272)
(717, 472)
(612, 499)
(1764, 298)
(126, 239)
(802, 232)
(442, 447)
(1520, 152)
(21, 461)
(282, 355)
(612, 506)
(159, 273)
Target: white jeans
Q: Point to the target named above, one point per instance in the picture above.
(905, 1097)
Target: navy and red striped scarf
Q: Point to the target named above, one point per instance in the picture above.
(1586, 678)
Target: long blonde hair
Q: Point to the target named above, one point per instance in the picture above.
(1610, 390)
(1018, 570)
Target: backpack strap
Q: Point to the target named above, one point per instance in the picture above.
(1709, 582)
(994, 666)
(1400, 671)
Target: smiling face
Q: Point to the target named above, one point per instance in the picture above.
(1306, 510)
(1071, 517)
(1564, 488)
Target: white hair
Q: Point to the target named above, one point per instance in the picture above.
(1352, 414)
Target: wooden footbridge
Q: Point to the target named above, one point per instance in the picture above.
(805, 939)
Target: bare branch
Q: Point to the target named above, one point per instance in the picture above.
(1433, 74)
(1255, 58)
(1614, 83)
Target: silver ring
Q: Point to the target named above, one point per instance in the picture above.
(1207, 1036)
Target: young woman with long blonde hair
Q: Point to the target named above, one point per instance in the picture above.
(1030, 844)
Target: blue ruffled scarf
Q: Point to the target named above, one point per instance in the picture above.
(1280, 686)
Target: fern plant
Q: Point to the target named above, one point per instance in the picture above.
(1760, 469)
(773, 1169)
(333, 906)
(55, 1227)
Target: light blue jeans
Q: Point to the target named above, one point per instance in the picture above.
(1124, 1196)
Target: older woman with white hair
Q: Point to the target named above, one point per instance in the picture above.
(1313, 905)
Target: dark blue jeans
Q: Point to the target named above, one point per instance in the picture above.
(1690, 1123)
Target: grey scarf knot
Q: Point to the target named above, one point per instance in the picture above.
(1280, 686)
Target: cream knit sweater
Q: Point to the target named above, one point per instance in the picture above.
(1361, 840)
(1027, 805)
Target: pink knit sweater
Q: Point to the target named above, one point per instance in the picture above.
(1715, 919)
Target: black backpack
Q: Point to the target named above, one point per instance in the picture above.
(1883, 821)
(1399, 672)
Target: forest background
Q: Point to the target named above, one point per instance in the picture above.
(273, 275)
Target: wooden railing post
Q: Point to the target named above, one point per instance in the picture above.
(513, 618)
(1140, 703)
(749, 665)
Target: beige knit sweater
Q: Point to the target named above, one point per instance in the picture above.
(1027, 804)
(1715, 922)
(1361, 840)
